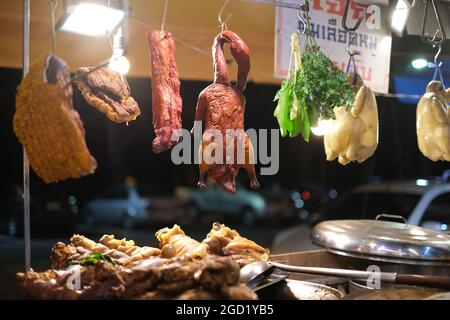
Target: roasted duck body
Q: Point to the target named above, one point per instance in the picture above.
(166, 99)
(433, 122)
(221, 106)
(48, 126)
(228, 242)
(109, 92)
(353, 135)
(175, 243)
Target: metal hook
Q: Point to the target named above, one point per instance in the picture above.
(350, 42)
(437, 56)
(223, 24)
(303, 22)
(344, 19)
(426, 37)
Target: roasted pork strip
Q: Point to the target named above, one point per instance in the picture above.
(166, 99)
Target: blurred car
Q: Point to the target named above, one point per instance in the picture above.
(313, 196)
(248, 206)
(51, 212)
(283, 204)
(132, 205)
(424, 202)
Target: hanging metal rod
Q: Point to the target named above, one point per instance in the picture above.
(280, 4)
(26, 165)
(399, 95)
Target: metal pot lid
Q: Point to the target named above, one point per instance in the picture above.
(383, 241)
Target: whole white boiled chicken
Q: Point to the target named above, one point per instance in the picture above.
(353, 135)
(433, 122)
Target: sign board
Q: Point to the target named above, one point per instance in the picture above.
(373, 38)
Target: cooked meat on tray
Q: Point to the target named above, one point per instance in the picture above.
(225, 241)
(85, 269)
(48, 126)
(109, 92)
(175, 243)
(166, 99)
(221, 106)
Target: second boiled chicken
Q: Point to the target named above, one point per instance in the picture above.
(353, 135)
(433, 122)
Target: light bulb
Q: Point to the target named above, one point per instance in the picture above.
(121, 64)
(322, 127)
(419, 63)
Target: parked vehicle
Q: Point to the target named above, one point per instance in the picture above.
(51, 214)
(248, 206)
(282, 205)
(424, 202)
(132, 205)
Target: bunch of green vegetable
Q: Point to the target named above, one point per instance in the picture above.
(313, 88)
(92, 258)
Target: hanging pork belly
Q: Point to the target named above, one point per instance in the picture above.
(166, 99)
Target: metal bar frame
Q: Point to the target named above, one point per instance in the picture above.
(26, 165)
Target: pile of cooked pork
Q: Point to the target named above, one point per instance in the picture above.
(182, 268)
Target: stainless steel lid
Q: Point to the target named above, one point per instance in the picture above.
(384, 241)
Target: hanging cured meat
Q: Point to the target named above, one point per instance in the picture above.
(353, 135)
(221, 107)
(166, 99)
(433, 122)
(48, 126)
(108, 91)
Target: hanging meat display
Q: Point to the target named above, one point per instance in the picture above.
(353, 135)
(221, 107)
(108, 91)
(166, 99)
(433, 122)
(48, 126)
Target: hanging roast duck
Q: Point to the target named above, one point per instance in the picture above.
(433, 122)
(221, 106)
(353, 135)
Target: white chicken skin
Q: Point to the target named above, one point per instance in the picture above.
(433, 122)
(353, 135)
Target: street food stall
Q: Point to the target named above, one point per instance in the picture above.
(331, 65)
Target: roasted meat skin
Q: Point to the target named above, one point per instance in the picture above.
(433, 122)
(228, 242)
(166, 99)
(108, 91)
(48, 126)
(100, 281)
(221, 106)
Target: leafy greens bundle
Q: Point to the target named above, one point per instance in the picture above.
(312, 89)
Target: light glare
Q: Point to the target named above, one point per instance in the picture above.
(400, 16)
(322, 127)
(92, 19)
(121, 65)
(419, 63)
